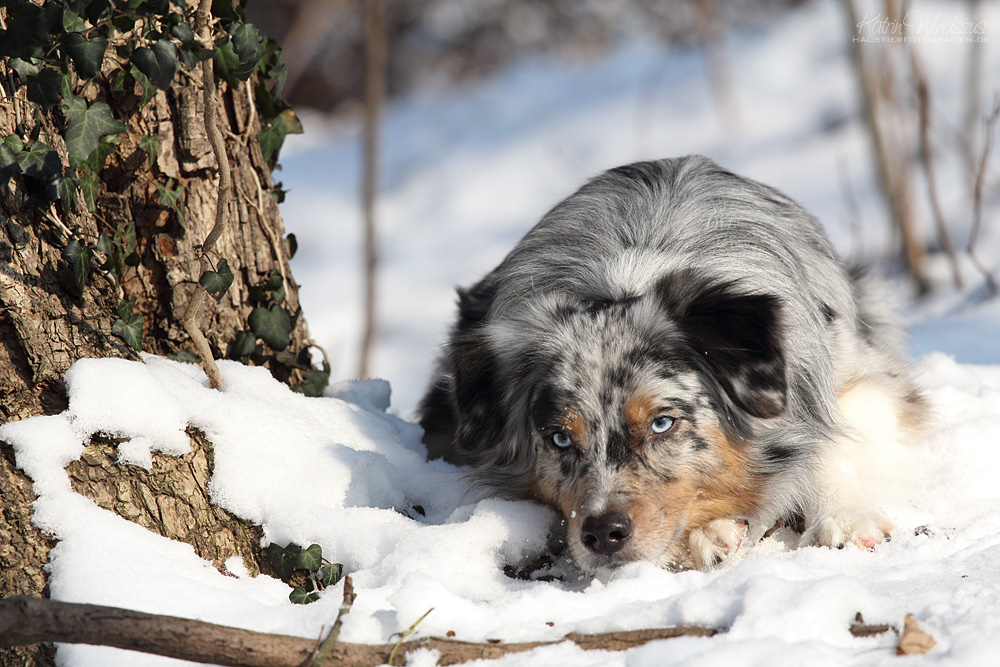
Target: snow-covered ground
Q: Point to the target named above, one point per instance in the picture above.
(466, 173)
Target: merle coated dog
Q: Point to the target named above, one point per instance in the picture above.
(675, 358)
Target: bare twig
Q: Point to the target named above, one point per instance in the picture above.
(406, 635)
(331, 638)
(927, 160)
(890, 160)
(977, 200)
(375, 59)
(199, 297)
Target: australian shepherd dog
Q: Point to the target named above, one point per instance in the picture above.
(675, 359)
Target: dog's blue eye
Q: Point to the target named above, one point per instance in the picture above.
(661, 424)
(561, 440)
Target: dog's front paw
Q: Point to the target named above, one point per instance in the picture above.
(716, 541)
(839, 529)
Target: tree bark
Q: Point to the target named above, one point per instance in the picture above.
(45, 325)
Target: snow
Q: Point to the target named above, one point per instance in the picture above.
(465, 174)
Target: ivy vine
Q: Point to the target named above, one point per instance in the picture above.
(53, 50)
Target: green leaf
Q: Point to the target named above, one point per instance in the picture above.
(124, 308)
(63, 189)
(183, 32)
(39, 161)
(282, 559)
(24, 69)
(159, 62)
(148, 89)
(224, 10)
(45, 88)
(292, 245)
(85, 127)
(129, 329)
(9, 148)
(249, 48)
(27, 28)
(244, 344)
(185, 357)
(270, 139)
(314, 382)
(310, 558)
(96, 9)
(150, 144)
(87, 54)
(217, 282)
(72, 22)
(272, 325)
(299, 596)
(331, 574)
(170, 197)
(77, 256)
(104, 244)
(89, 186)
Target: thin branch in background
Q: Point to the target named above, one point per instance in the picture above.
(375, 63)
(200, 295)
(927, 160)
(891, 158)
(977, 199)
(973, 94)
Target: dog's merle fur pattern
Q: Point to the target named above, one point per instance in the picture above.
(672, 289)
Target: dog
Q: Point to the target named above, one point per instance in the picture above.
(675, 358)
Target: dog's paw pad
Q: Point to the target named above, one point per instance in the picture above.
(847, 527)
(712, 544)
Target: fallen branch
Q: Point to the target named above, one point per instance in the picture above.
(26, 620)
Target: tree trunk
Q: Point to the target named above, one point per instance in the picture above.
(45, 325)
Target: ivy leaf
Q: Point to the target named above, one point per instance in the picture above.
(9, 148)
(243, 345)
(27, 32)
(63, 189)
(39, 161)
(314, 382)
(158, 63)
(185, 357)
(45, 88)
(150, 144)
(310, 558)
(148, 89)
(72, 22)
(170, 197)
(23, 68)
(331, 574)
(104, 244)
(282, 560)
(217, 282)
(96, 9)
(89, 185)
(87, 54)
(129, 325)
(292, 245)
(129, 329)
(249, 48)
(272, 325)
(77, 256)
(85, 127)
(300, 596)
(183, 32)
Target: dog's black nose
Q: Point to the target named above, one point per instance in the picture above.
(607, 533)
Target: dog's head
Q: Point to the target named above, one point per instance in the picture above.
(628, 415)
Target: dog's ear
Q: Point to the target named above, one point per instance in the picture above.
(736, 335)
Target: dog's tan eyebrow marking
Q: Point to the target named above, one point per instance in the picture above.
(575, 426)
